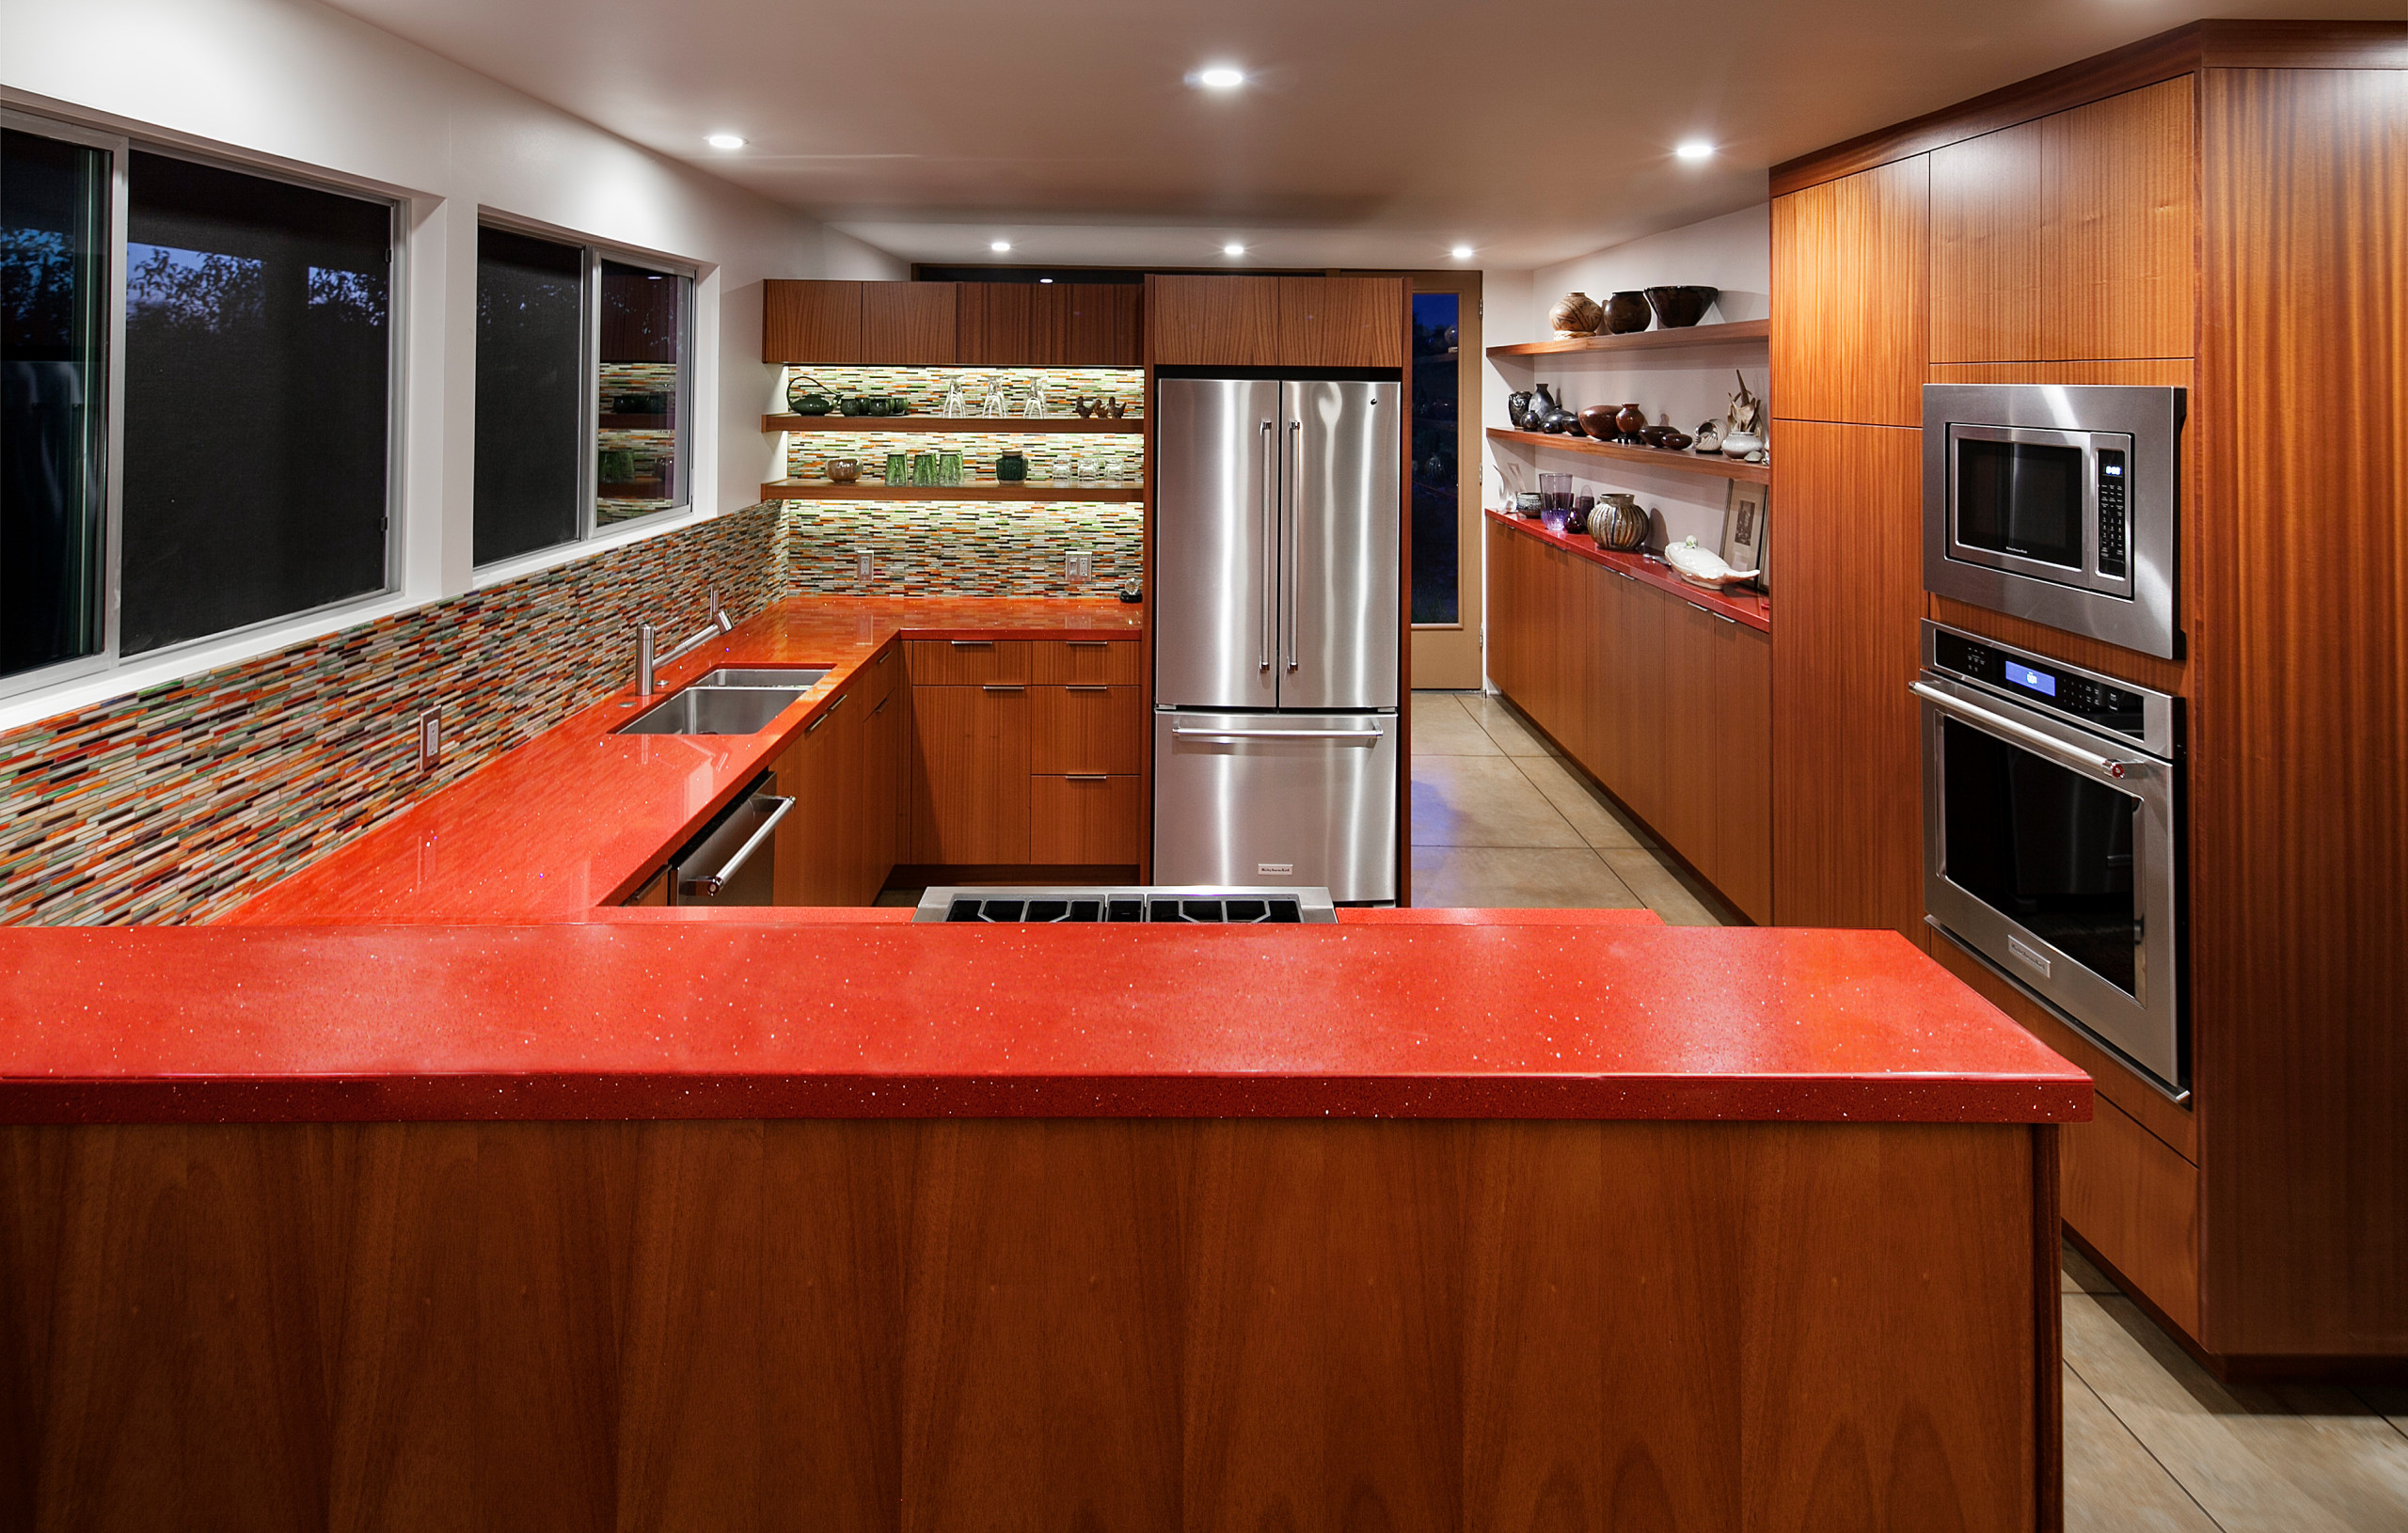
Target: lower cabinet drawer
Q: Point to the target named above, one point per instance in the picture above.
(1084, 819)
(2137, 1202)
(1085, 729)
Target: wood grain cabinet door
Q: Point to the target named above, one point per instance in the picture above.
(969, 759)
(815, 856)
(961, 662)
(1115, 662)
(2120, 225)
(808, 322)
(1102, 324)
(908, 323)
(1686, 801)
(886, 768)
(1086, 819)
(1638, 672)
(996, 324)
(1742, 703)
(1988, 302)
(1341, 321)
(1087, 730)
(1502, 601)
(1213, 321)
(1851, 274)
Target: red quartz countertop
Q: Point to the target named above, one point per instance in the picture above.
(1751, 608)
(875, 1017)
(578, 817)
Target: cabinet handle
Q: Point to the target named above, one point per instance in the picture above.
(972, 643)
(1085, 777)
(1086, 688)
(881, 705)
(1725, 617)
(1088, 643)
(883, 656)
(1002, 688)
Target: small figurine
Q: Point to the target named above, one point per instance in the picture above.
(1745, 407)
(1119, 408)
(1085, 406)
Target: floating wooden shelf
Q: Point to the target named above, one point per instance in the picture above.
(1693, 336)
(1680, 463)
(820, 489)
(987, 425)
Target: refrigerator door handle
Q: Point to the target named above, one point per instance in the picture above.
(1295, 531)
(1270, 540)
(1371, 734)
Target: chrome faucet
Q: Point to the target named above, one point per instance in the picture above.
(648, 665)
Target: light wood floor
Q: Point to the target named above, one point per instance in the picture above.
(2153, 1444)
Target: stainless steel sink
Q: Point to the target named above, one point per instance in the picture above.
(715, 710)
(787, 679)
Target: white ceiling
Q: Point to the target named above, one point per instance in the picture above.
(1376, 133)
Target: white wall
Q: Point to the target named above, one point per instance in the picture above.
(293, 84)
(1733, 253)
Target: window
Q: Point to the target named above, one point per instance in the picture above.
(582, 391)
(197, 373)
(54, 259)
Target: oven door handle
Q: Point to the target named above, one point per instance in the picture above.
(2048, 745)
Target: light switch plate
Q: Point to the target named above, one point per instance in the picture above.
(865, 563)
(430, 739)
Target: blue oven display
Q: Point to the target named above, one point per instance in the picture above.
(2038, 681)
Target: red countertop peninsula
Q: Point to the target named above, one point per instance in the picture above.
(436, 1182)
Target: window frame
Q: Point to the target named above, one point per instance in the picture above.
(120, 147)
(591, 529)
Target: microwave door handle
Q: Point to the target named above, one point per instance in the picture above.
(2048, 745)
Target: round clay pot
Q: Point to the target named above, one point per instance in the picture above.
(1597, 421)
(1626, 312)
(1561, 423)
(1517, 409)
(1576, 314)
(844, 470)
(1677, 308)
(1632, 421)
(1676, 441)
(1618, 521)
(1653, 436)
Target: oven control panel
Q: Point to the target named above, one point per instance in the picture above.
(2059, 687)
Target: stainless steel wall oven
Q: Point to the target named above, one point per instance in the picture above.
(2053, 839)
(2056, 502)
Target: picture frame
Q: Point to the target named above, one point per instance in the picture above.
(1747, 544)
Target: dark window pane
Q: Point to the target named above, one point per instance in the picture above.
(256, 394)
(643, 463)
(530, 393)
(53, 330)
(1436, 528)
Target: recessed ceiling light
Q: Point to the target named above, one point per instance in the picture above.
(1219, 77)
(1233, 249)
(1696, 149)
(1045, 279)
(724, 140)
(1461, 252)
(999, 246)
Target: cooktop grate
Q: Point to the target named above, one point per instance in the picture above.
(1175, 906)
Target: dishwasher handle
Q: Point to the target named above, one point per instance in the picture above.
(712, 883)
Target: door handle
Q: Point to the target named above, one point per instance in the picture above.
(1371, 734)
(1270, 542)
(1002, 688)
(2048, 745)
(1295, 532)
(713, 883)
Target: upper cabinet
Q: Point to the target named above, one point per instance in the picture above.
(1850, 297)
(1276, 320)
(938, 323)
(2070, 237)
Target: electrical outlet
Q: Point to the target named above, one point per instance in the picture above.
(430, 739)
(1077, 565)
(865, 564)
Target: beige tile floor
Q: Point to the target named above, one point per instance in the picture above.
(2153, 1444)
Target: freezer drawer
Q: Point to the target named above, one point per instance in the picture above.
(1287, 798)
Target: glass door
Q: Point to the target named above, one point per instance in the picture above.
(1445, 380)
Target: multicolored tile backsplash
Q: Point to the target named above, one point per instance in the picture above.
(178, 803)
(959, 548)
(923, 389)
(1057, 456)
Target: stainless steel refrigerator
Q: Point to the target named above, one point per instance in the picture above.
(1277, 538)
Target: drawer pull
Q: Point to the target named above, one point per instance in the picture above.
(1088, 643)
(995, 689)
(1086, 688)
(881, 705)
(972, 643)
(1086, 777)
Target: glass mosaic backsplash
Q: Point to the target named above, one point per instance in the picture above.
(923, 389)
(958, 548)
(1055, 456)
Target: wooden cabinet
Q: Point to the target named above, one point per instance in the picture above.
(810, 322)
(1664, 703)
(1332, 321)
(821, 845)
(1088, 820)
(908, 323)
(1004, 324)
(1850, 283)
(1087, 730)
(959, 662)
(1276, 320)
(2069, 238)
(1113, 662)
(970, 771)
(1103, 324)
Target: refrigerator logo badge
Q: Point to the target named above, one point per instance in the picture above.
(1276, 870)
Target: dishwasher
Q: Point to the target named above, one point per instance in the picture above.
(733, 859)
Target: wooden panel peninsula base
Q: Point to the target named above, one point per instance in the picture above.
(1126, 1323)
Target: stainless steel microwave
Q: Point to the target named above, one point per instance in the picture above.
(2056, 502)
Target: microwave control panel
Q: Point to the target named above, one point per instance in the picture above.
(2113, 521)
(2054, 687)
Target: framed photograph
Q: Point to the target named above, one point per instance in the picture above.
(1745, 543)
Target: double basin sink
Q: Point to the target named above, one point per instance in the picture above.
(732, 702)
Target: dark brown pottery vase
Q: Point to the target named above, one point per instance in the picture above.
(1626, 312)
(1631, 420)
(1597, 421)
